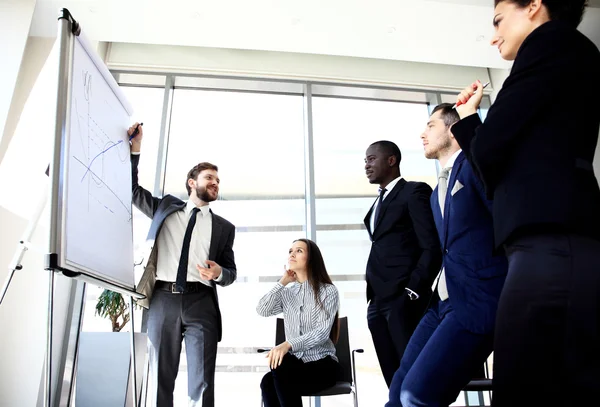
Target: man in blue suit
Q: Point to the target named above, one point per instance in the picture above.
(454, 338)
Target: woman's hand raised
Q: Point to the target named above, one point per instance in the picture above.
(288, 277)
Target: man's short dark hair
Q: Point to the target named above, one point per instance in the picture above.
(449, 115)
(389, 149)
(569, 11)
(197, 169)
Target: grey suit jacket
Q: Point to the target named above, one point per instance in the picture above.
(221, 242)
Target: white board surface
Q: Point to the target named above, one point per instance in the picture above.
(97, 230)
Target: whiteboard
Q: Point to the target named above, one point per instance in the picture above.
(97, 237)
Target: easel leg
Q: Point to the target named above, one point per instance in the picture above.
(48, 388)
(6, 284)
(133, 370)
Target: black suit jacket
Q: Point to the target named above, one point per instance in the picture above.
(405, 249)
(158, 209)
(534, 151)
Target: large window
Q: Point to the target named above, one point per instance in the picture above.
(274, 143)
(257, 141)
(343, 129)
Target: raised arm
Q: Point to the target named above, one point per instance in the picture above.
(535, 83)
(141, 198)
(272, 303)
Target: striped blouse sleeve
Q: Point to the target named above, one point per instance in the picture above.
(272, 303)
(325, 318)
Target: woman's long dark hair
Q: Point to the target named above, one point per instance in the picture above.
(317, 276)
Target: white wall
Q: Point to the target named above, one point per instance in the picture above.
(22, 316)
(25, 152)
(497, 78)
(35, 54)
(15, 20)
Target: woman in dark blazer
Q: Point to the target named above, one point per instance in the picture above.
(534, 154)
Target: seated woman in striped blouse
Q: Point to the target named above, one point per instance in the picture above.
(305, 362)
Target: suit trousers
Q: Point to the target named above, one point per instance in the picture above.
(392, 323)
(285, 385)
(172, 318)
(440, 359)
(547, 340)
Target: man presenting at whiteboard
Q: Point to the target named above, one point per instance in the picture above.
(191, 250)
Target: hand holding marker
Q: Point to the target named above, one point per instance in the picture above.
(459, 103)
(136, 131)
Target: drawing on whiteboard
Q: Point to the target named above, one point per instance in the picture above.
(98, 152)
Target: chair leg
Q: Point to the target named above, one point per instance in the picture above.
(355, 397)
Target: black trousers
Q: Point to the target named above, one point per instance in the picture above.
(173, 318)
(547, 338)
(392, 323)
(285, 385)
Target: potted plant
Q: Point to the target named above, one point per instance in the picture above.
(111, 305)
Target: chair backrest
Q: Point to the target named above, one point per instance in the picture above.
(342, 347)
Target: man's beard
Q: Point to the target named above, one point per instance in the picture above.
(444, 147)
(204, 195)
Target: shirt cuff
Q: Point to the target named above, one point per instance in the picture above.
(220, 278)
(134, 152)
(412, 292)
(295, 344)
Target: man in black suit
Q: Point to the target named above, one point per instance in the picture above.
(405, 255)
(191, 250)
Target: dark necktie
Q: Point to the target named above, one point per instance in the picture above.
(378, 209)
(185, 253)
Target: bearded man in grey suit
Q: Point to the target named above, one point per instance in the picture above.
(190, 252)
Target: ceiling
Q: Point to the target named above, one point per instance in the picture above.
(455, 32)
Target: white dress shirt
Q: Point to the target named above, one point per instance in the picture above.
(388, 189)
(307, 324)
(170, 242)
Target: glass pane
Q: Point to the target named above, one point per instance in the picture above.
(343, 129)
(257, 140)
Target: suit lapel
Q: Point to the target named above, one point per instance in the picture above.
(386, 202)
(156, 226)
(214, 237)
(368, 220)
(437, 214)
(455, 170)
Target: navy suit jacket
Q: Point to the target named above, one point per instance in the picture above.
(474, 276)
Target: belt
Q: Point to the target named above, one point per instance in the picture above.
(190, 287)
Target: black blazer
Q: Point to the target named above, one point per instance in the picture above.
(158, 209)
(405, 249)
(534, 151)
